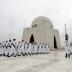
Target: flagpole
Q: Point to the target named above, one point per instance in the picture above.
(66, 36)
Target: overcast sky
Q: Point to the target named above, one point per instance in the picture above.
(17, 14)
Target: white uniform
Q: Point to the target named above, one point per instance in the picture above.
(8, 43)
(23, 49)
(19, 48)
(41, 48)
(29, 49)
(35, 48)
(44, 49)
(67, 50)
(26, 48)
(7, 48)
(12, 51)
(7, 51)
(15, 47)
(4, 50)
(1, 49)
(32, 48)
(15, 44)
(71, 50)
(38, 48)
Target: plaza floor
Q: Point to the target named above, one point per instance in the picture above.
(53, 62)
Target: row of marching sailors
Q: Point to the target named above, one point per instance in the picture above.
(22, 48)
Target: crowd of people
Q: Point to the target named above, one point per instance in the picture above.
(17, 48)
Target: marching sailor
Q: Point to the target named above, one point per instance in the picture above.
(19, 48)
(32, 48)
(67, 48)
(26, 48)
(35, 48)
(29, 49)
(13, 50)
(0, 49)
(23, 49)
(40, 48)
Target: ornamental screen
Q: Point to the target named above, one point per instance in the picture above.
(35, 25)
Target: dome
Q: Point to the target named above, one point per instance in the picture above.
(41, 19)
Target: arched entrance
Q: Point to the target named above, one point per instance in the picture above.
(55, 43)
(31, 39)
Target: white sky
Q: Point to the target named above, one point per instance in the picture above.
(17, 14)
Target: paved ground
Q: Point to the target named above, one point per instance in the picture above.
(54, 62)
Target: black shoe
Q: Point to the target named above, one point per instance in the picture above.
(66, 55)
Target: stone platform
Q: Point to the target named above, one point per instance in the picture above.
(53, 62)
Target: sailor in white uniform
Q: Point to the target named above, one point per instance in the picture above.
(44, 49)
(7, 47)
(35, 48)
(67, 52)
(19, 49)
(13, 51)
(15, 43)
(38, 48)
(48, 49)
(71, 48)
(7, 51)
(32, 49)
(26, 48)
(0, 49)
(29, 49)
(22, 46)
(41, 49)
(4, 50)
(67, 49)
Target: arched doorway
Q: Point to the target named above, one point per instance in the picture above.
(31, 39)
(55, 43)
